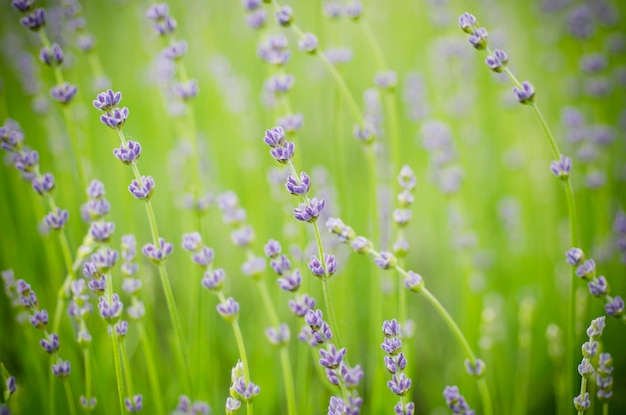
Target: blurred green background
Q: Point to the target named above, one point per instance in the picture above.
(504, 288)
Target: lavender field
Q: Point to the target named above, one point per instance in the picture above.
(314, 207)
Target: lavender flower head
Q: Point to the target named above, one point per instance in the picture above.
(308, 43)
(562, 167)
(525, 95)
(107, 100)
(64, 93)
(310, 211)
(158, 254)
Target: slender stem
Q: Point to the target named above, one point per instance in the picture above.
(151, 367)
(51, 394)
(88, 381)
(267, 302)
(126, 367)
(165, 282)
(69, 396)
(289, 385)
(583, 389)
(114, 344)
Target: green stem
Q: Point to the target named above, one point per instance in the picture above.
(118, 370)
(165, 282)
(151, 368)
(69, 396)
(126, 367)
(289, 385)
(583, 389)
(88, 380)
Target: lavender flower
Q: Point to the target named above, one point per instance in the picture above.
(354, 10)
(291, 123)
(587, 269)
(290, 282)
(582, 403)
(498, 61)
(35, 20)
(107, 100)
(128, 153)
(604, 380)
(50, 344)
(284, 16)
(187, 90)
(308, 43)
(51, 56)
(414, 281)
(562, 167)
(274, 50)
(158, 254)
(175, 51)
(110, 310)
(56, 219)
(455, 401)
(115, 119)
(615, 307)
(302, 304)
(478, 38)
(254, 267)
(102, 231)
(475, 369)
(23, 6)
(61, 369)
(309, 212)
(256, 19)
(278, 337)
(574, 256)
(134, 405)
(386, 260)
(526, 94)
(598, 287)
(331, 357)
(64, 93)
(386, 80)
(272, 248)
(228, 309)
(43, 184)
(361, 245)
(316, 267)
(143, 190)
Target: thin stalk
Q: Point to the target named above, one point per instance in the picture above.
(583, 389)
(126, 368)
(151, 368)
(289, 385)
(51, 394)
(69, 396)
(165, 282)
(88, 378)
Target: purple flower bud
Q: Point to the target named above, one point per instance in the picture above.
(354, 10)
(175, 51)
(134, 405)
(526, 95)
(254, 267)
(308, 43)
(596, 327)
(39, 319)
(204, 257)
(291, 123)
(121, 328)
(477, 369)
(278, 337)
(284, 16)
(302, 304)
(581, 404)
(361, 245)
(290, 282)
(336, 406)
(251, 4)
(187, 90)
(399, 384)
(274, 50)
(115, 119)
(414, 282)
(478, 38)
(192, 242)
(98, 285)
(309, 212)
(35, 20)
(280, 265)
(274, 137)
(280, 84)
(363, 133)
(615, 307)
(11, 385)
(298, 187)
(574, 256)
(331, 357)
(64, 93)
(561, 168)
(23, 5)
(598, 287)
(131, 286)
(589, 349)
(246, 391)
(391, 345)
(128, 153)
(164, 26)
(386, 80)
(316, 267)
(587, 269)
(43, 184)
(61, 369)
(229, 309)
(85, 43)
(256, 19)
(107, 100)
(467, 22)
(232, 405)
(158, 254)
(104, 259)
(102, 231)
(158, 11)
(52, 56)
(143, 190)
(272, 248)
(56, 220)
(110, 310)
(243, 236)
(386, 260)
(283, 154)
(51, 344)
(391, 328)
(585, 369)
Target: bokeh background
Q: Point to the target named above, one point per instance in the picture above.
(492, 251)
